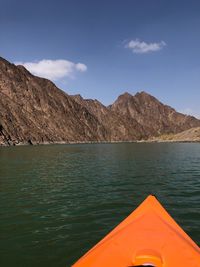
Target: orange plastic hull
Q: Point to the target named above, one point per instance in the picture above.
(148, 236)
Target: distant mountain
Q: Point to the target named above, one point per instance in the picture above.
(33, 111)
(155, 117)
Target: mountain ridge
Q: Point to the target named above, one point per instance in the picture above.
(33, 110)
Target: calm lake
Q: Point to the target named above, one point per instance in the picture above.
(57, 201)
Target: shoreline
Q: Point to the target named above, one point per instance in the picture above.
(97, 142)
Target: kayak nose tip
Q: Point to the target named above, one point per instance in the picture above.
(147, 258)
(145, 264)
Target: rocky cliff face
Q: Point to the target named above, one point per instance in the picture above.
(155, 117)
(119, 127)
(33, 110)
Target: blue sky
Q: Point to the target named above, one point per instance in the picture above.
(101, 49)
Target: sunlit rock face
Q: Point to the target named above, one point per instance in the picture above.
(155, 117)
(34, 111)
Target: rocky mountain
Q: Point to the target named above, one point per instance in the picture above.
(119, 127)
(33, 110)
(155, 117)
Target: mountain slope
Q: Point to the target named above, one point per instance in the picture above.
(190, 135)
(119, 128)
(154, 116)
(34, 110)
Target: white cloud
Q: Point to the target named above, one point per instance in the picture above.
(54, 69)
(81, 67)
(141, 47)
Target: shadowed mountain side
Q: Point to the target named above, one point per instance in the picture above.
(119, 128)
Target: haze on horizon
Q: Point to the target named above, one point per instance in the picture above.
(100, 49)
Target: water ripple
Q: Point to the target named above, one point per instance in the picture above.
(58, 201)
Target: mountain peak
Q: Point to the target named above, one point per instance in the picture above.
(124, 97)
(126, 94)
(34, 110)
(143, 94)
(145, 97)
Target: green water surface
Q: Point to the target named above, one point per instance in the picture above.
(57, 201)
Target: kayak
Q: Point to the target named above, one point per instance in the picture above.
(147, 237)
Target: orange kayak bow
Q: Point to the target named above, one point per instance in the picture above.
(147, 237)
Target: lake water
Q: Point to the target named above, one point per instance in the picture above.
(57, 201)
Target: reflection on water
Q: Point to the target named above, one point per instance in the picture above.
(57, 201)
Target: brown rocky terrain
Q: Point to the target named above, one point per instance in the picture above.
(33, 110)
(155, 117)
(119, 127)
(191, 135)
